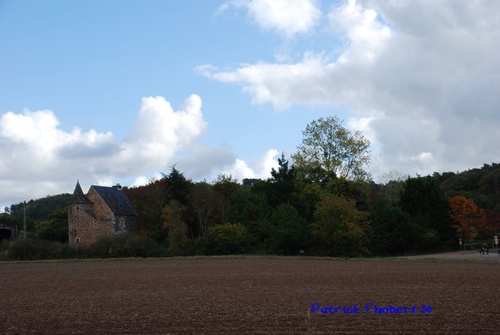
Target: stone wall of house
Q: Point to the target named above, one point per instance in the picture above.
(102, 211)
(89, 222)
(83, 228)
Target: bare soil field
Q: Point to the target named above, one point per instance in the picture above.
(250, 296)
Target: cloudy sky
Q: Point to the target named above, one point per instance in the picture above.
(118, 91)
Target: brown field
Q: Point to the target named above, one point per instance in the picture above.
(248, 296)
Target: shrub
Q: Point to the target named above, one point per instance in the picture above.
(226, 239)
(33, 248)
(142, 246)
(126, 246)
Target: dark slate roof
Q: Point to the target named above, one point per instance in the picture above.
(78, 196)
(116, 200)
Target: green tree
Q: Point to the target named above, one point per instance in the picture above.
(280, 188)
(427, 206)
(329, 151)
(227, 239)
(224, 187)
(392, 231)
(339, 227)
(177, 186)
(250, 209)
(55, 228)
(205, 204)
(282, 181)
(391, 187)
(177, 229)
(286, 231)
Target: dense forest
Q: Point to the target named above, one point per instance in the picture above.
(322, 204)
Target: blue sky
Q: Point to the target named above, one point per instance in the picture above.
(118, 91)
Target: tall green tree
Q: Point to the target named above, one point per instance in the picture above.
(286, 231)
(177, 229)
(392, 231)
(177, 185)
(280, 187)
(250, 209)
(224, 187)
(329, 151)
(205, 204)
(424, 201)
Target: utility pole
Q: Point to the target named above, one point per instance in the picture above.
(24, 220)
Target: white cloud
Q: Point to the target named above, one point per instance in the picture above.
(202, 162)
(143, 180)
(287, 17)
(280, 84)
(158, 134)
(366, 35)
(259, 168)
(39, 158)
(424, 74)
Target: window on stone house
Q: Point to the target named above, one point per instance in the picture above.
(122, 225)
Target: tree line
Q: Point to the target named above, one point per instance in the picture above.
(320, 202)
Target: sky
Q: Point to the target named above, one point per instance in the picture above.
(119, 91)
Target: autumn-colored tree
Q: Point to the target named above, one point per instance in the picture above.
(149, 201)
(492, 222)
(467, 219)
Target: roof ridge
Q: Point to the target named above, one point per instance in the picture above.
(116, 200)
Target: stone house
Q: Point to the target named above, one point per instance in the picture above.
(103, 211)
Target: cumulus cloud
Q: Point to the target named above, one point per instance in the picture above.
(40, 157)
(258, 168)
(287, 17)
(159, 132)
(202, 162)
(423, 73)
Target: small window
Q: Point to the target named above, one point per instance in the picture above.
(77, 240)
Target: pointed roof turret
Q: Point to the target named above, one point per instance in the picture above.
(78, 196)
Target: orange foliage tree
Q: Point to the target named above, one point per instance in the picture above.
(466, 217)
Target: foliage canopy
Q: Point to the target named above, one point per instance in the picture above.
(329, 150)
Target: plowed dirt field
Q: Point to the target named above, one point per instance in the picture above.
(250, 296)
